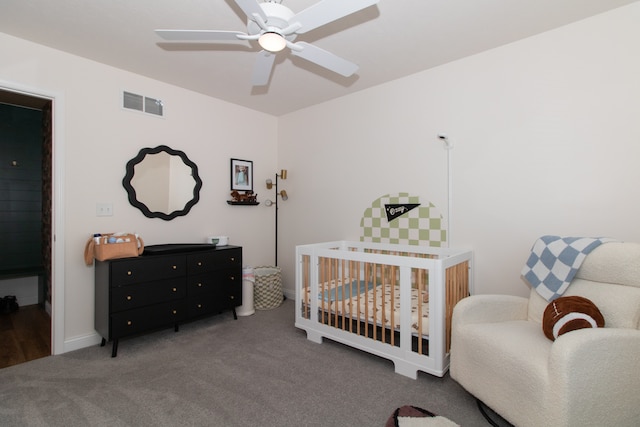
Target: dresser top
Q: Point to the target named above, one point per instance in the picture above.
(176, 248)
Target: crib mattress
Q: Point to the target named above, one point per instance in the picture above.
(372, 307)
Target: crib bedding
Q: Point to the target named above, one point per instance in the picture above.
(374, 306)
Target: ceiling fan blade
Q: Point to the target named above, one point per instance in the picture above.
(199, 35)
(327, 11)
(249, 7)
(263, 67)
(325, 59)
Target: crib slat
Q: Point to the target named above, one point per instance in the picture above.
(457, 287)
(344, 292)
(306, 272)
(419, 303)
(323, 280)
(393, 303)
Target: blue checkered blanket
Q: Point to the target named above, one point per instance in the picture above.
(555, 260)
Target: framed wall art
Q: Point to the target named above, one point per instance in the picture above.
(241, 175)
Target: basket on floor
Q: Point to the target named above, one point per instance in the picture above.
(267, 289)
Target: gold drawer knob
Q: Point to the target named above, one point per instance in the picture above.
(175, 267)
(129, 297)
(232, 258)
(129, 322)
(232, 277)
(232, 297)
(175, 289)
(199, 285)
(199, 305)
(199, 263)
(175, 311)
(129, 273)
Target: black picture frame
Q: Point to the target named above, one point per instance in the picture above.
(241, 175)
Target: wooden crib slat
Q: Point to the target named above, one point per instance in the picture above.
(306, 272)
(323, 280)
(333, 289)
(368, 279)
(383, 312)
(419, 302)
(393, 301)
(357, 312)
(457, 288)
(344, 292)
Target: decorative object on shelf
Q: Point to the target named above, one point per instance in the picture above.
(241, 175)
(181, 183)
(283, 195)
(246, 198)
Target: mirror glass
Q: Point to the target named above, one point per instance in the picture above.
(162, 182)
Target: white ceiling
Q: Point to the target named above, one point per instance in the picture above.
(388, 41)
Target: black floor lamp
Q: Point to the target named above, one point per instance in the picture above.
(283, 195)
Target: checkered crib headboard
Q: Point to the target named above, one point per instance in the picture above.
(395, 218)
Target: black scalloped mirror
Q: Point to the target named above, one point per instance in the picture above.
(162, 182)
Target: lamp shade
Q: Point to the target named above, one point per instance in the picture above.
(271, 41)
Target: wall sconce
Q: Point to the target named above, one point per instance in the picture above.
(283, 195)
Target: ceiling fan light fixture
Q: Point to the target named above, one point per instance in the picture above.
(272, 41)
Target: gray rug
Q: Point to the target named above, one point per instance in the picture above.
(255, 371)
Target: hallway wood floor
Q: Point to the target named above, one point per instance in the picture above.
(24, 335)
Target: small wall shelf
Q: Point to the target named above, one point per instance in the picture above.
(231, 202)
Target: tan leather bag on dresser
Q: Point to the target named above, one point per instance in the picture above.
(112, 246)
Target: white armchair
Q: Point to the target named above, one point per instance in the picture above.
(587, 377)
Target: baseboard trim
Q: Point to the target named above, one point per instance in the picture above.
(83, 341)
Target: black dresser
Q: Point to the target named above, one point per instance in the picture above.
(166, 286)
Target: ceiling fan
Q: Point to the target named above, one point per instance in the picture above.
(275, 27)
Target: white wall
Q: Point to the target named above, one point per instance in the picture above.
(546, 141)
(100, 137)
(546, 136)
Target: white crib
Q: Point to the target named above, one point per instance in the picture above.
(394, 301)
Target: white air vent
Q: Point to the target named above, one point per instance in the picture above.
(145, 104)
(132, 101)
(153, 106)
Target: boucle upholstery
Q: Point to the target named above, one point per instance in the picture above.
(586, 377)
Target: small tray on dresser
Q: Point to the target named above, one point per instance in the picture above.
(173, 248)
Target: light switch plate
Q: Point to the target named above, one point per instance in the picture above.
(104, 209)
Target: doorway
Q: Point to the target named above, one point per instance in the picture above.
(25, 227)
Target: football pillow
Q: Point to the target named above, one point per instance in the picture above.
(567, 314)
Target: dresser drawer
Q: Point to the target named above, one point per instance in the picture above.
(213, 282)
(206, 304)
(147, 293)
(208, 261)
(202, 304)
(146, 269)
(146, 318)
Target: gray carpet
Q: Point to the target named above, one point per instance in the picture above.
(258, 370)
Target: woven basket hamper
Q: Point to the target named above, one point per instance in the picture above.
(267, 290)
